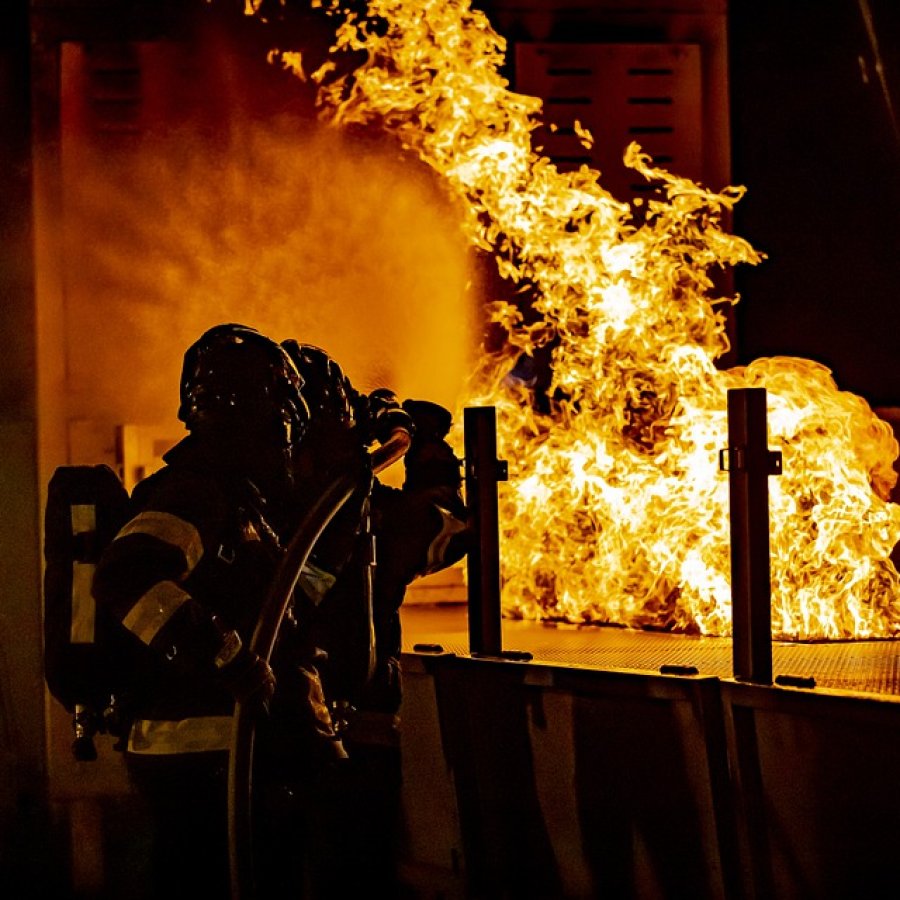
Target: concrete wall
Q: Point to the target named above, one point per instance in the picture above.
(22, 761)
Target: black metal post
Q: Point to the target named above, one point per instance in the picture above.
(749, 463)
(483, 471)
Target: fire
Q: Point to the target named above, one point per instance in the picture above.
(616, 511)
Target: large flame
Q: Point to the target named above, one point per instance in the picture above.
(616, 511)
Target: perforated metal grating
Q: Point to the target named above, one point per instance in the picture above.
(864, 666)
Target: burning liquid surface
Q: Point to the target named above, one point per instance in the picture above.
(616, 511)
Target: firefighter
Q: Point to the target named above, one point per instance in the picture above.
(187, 575)
(407, 532)
(352, 612)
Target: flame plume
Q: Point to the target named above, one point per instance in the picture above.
(616, 511)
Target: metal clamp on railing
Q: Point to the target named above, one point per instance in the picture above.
(733, 459)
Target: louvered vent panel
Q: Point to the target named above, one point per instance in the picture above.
(113, 88)
(649, 93)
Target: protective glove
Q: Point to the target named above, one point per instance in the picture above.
(249, 678)
(300, 731)
(430, 461)
(385, 414)
(432, 420)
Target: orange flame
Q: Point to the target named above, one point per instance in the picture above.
(616, 511)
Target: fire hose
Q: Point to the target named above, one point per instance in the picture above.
(333, 496)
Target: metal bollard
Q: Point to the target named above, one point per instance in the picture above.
(483, 470)
(749, 463)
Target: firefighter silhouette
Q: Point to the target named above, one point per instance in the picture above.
(188, 573)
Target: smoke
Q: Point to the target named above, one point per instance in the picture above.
(294, 229)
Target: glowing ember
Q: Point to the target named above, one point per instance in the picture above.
(616, 511)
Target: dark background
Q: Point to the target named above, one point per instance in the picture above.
(819, 152)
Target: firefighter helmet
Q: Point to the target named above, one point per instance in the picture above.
(326, 388)
(234, 377)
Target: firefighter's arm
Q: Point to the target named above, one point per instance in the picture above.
(332, 447)
(142, 577)
(431, 461)
(434, 477)
(422, 528)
